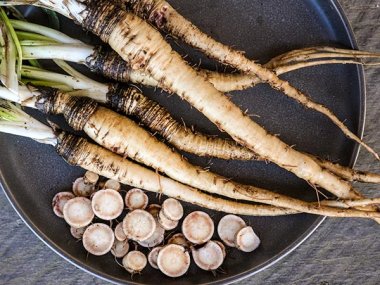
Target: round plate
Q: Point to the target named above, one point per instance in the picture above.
(32, 173)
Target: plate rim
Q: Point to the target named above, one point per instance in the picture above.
(243, 275)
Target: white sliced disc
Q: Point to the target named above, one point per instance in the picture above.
(112, 184)
(139, 225)
(198, 227)
(172, 209)
(153, 255)
(209, 257)
(221, 245)
(91, 177)
(136, 199)
(107, 204)
(77, 212)
(120, 248)
(82, 189)
(59, 202)
(98, 239)
(77, 233)
(119, 232)
(173, 260)
(247, 240)
(166, 223)
(228, 228)
(134, 262)
(156, 239)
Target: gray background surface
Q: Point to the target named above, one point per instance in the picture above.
(339, 252)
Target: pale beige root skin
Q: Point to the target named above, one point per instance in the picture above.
(149, 51)
(165, 16)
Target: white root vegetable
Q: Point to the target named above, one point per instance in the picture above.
(156, 239)
(166, 223)
(112, 184)
(98, 239)
(173, 260)
(119, 232)
(247, 240)
(139, 225)
(107, 204)
(120, 248)
(153, 256)
(83, 189)
(209, 257)
(78, 213)
(172, 209)
(59, 201)
(91, 178)
(77, 232)
(180, 240)
(154, 210)
(222, 246)
(228, 228)
(198, 227)
(136, 199)
(134, 262)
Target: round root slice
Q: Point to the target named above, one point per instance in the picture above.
(198, 227)
(172, 209)
(173, 260)
(112, 184)
(180, 240)
(223, 248)
(82, 189)
(90, 178)
(98, 239)
(120, 248)
(153, 256)
(247, 240)
(134, 262)
(209, 257)
(153, 209)
(166, 223)
(139, 225)
(77, 233)
(107, 204)
(136, 199)
(228, 228)
(156, 239)
(78, 213)
(119, 232)
(59, 201)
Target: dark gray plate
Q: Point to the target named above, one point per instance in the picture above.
(32, 173)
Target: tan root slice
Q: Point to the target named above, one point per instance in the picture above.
(107, 204)
(153, 256)
(198, 227)
(119, 232)
(246, 240)
(166, 223)
(120, 248)
(83, 189)
(134, 262)
(173, 260)
(139, 225)
(136, 199)
(59, 201)
(78, 213)
(77, 233)
(228, 228)
(172, 209)
(209, 257)
(98, 239)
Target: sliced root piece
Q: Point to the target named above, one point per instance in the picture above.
(78, 213)
(153, 209)
(120, 248)
(112, 184)
(90, 178)
(136, 199)
(59, 201)
(180, 240)
(98, 239)
(228, 228)
(172, 209)
(82, 189)
(107, 204)
(139, 225)
(198, 227)
(166, 223)
(223, 248)
(209, 257)
(247, 240)
(153, 256)
(119, 232)
(77, 232)
(134, 262)
(173, 260)
(156, 239)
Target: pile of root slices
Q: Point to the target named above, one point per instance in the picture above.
(93, 210)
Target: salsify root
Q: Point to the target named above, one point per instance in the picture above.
(161, 14)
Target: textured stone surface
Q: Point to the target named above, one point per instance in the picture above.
(339, 252)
